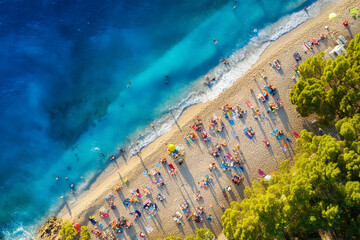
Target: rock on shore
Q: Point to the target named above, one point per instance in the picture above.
(50, 230)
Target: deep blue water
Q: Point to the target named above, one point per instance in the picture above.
(65, 67)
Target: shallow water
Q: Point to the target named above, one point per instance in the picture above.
(65, 69)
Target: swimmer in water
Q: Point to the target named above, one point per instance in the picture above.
(215, 41)
(255, 30)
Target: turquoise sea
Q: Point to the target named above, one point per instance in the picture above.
(77, 77)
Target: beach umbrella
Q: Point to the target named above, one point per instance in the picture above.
(353, 11)
(333, 16)
(265, 92)
(171, 147)
(268, 177)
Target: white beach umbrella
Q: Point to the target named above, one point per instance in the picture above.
(268, 178)
(333, 16)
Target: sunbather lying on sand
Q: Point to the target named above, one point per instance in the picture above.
(212, 166)
(214, 152)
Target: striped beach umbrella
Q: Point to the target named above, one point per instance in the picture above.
(265, 92)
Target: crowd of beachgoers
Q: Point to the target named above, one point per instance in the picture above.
(261, 108)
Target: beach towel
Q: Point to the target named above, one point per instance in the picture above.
(146, 173)
(127, 202)
(309, 44)
(296, 135)
(289, 140)
(278, 136)
(234, 115)
(179, 147)
(158, 165)
(283, 149)
(267, 143)
(231, 122)
(246, 133)
(146, 202)
(304, 47)
(261, 173)
(186, 210)
(248, 103)
(149, 229)
(234, 134)
(285, 145)
(171, 166)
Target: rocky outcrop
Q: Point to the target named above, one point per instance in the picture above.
(50, 230)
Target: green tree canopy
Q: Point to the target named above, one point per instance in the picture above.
(68, 232)
(330, 89)
(319, 193)
(84, 234)
(349, 128)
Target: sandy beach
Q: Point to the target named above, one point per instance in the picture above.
(254, 154)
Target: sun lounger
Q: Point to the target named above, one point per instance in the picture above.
(289, 140)
(231, 122)
(234, 134)
(283, 149)
(241, 169)
(342, 39)
(153, 172)
(285, 145)
(146, 173)
(158, 166)
(339, 42)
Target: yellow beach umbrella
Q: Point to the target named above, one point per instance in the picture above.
(333, 16)
(171, 147)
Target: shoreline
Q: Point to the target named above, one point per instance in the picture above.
(90, 200)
